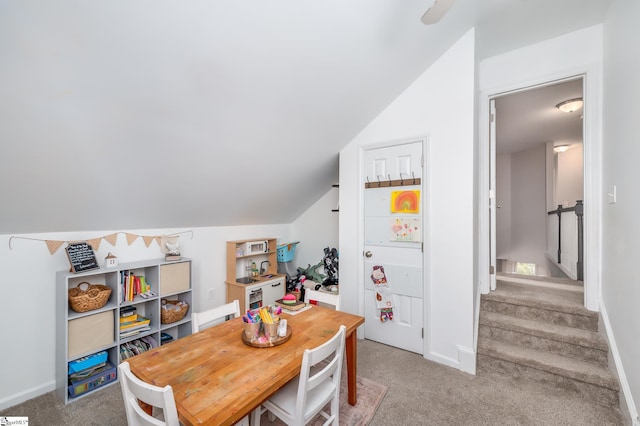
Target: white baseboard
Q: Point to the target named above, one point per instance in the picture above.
(624, 383)
(27, 395)
(441, 359)
(467, 357)
(466, 361)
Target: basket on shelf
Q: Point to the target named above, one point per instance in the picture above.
(285, 252)
(87, 297)
(172, 311)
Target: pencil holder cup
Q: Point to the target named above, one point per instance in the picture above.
(252, 330)
(271, 330)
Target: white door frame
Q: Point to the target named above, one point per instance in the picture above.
(592, 136)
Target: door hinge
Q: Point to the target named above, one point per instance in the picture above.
(422, 247)
(423, 332)
(492, 118)
(492, 270)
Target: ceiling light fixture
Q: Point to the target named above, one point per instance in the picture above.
(571, 105)
(560, 148)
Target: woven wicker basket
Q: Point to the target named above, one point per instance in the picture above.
(167, 316)
(87, 297)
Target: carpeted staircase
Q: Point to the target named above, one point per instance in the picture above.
(538, 329)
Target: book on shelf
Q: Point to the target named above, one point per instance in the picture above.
(129, 333)
(129, 318)
(132, 285)
(137, 323)
(172, 257)
(127, 311)
(86, 372)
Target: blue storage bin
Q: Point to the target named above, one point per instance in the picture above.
(285, 252)
(102, 376)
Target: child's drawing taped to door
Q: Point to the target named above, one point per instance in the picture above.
(382, 292)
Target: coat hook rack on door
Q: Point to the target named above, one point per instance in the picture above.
(390, 183)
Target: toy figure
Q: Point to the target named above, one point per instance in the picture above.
(330, 263)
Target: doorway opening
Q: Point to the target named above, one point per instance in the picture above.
(539, 166)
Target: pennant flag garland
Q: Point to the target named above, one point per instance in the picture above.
(148, 240)
(95, 243)
(54, 245)
(111, 238)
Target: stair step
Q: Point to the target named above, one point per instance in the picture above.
(571, 374)
(550, 305)
(562, 340)
(564, 282)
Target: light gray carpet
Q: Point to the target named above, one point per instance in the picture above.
(422, 392)
(419, 392)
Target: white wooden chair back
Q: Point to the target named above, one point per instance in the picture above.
(303, 398)
(323, 297)
(207, 318)
(134, 389)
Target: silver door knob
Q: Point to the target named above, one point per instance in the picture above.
(368, 254)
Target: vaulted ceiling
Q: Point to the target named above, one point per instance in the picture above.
(145, 114)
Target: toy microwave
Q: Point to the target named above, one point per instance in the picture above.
(256, 247)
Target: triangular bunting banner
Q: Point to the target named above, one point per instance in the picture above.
(53, 246)
(148, 240)
(131, 238)
(95, 243)
(111, 238)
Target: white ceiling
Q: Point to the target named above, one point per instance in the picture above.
(151, 113)
(530, 117)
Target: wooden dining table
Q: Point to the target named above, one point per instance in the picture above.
(217, 378)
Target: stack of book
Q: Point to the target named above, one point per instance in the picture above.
(132, 285)
(131, 323)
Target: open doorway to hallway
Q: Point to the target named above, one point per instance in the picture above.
(533, 179)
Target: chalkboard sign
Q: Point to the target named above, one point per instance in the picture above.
(81, 257)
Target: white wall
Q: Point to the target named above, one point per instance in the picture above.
(316, 229)
(503, 199)
(28, 293)
(440, 104)
(570, 179)
(621, 228)
(528, 206)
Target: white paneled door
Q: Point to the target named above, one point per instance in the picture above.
(393, 239)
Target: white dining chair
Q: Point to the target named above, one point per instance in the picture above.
(207, 318)
(322, 297)
(161, 399)
(297, 402)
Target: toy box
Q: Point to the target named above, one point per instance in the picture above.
(101, 377)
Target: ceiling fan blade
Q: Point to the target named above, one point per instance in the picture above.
(436, 12)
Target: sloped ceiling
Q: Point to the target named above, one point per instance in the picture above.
(150, 114)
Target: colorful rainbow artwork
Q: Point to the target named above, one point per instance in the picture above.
(405, 201)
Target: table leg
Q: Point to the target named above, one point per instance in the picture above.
(351, 349)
